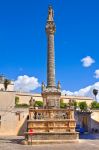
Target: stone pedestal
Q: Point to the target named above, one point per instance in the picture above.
(51, 125)
(51, 97)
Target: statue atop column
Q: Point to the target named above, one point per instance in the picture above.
(50, 14)
(50, 26)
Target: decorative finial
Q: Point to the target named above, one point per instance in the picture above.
(43, 86)
(58, 85)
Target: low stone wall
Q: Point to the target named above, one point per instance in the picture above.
(95, 120)
(51, 137)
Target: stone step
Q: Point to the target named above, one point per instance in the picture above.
(35, 142)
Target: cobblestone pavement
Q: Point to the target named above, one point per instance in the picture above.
(12, 143)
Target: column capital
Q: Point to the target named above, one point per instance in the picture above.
(50, 28)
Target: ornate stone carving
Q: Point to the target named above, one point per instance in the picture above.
(43, 87)
(58, 85)
(32, 102)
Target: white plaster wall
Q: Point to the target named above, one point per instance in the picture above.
(25, 97)
(95, 119)
(10, 123)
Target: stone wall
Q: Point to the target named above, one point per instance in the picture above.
(56, 136)
(77, 99)
(11, 119)
(25, 97)
(95, 119)
(80, 116)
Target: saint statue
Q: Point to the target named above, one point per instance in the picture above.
(43, 86)
(32, 102)
(50, 14)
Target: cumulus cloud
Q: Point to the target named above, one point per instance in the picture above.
(67, 92)
(96, 74)
(26, 83)
(87, 61)
(87, 91)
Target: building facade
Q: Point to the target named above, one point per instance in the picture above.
(10, 86)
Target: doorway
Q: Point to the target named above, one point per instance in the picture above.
(85, 123)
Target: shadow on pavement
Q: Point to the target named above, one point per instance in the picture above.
(11, 140)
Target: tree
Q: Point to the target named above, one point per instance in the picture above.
(39, 103)
(6, 83)
(61, 100)
(95, 92)
(63, 105)
(75, 104)
(83, 106)
(94, 105)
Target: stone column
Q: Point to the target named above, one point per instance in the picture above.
(50, 30)
(50, 62)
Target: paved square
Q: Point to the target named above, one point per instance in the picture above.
(11, 143)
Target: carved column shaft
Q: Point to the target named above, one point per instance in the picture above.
(50, 61)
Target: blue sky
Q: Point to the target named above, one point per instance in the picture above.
(23, 43)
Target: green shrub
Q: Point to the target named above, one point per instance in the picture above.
(63, 105)
(75, 104)
(22, 105)
(94, 105)
(61, 100)
(83, 106)
(39, 103)
(16, 100)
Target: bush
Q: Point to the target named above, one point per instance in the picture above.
(22, 105)
(63, 105)
(83, 106)
(75, 104)
(61, 100)
(94, 105)
(16, 100)
(39, 103)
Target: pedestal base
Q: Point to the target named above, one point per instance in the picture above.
(45, 138)
(51, 97)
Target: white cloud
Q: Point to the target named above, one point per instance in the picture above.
(67, 92)
(87, 61)
(26, 83)
(87, 91)
(96, 74)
